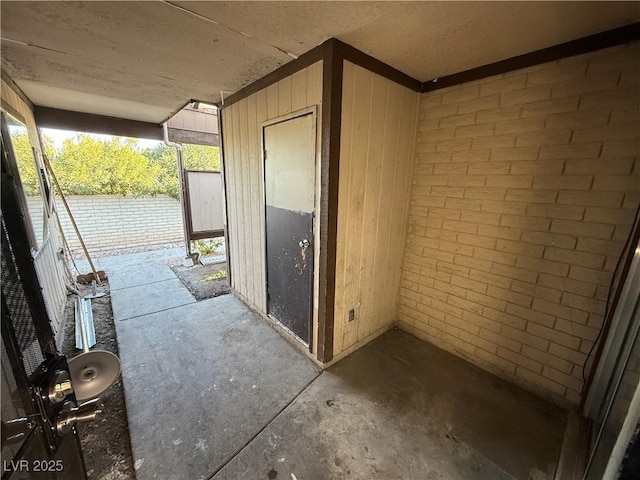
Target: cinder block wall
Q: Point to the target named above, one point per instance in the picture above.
(111, 222)
(524, 188)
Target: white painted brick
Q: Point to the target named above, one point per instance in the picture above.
(597, 82)
(478, 265)
(496, 141)
(617, 183)
(514, 154)
(472, 131)
(562, 378)
(520, 248)
(618, 97)
(503, 85)
(616, 216)
(524, 189)
(491, 193)
(591, 198)
(531, 196)
(590, 260)
(542, 266)
(456, 120)
(558, 73)
(618, 131)
(520, 360)
(509, 181)
(525, 338)
(539, 167)
(480, 103)
(581, 118)
(438, 111)
(490, 168)
(508, 233)
(589, 275)
(561, 311)
(525, 223)
(537, 291)
(460, 93)
(553, 211)
(497, 206)
(531, 124)
(548, 107)
(582, 229)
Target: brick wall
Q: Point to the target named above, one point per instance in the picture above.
(110, 222)
(524, 189)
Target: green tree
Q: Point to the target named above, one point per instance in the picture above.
(26, 162)
(165, 160)
(88, 166)
(200, 157)
(194, 157)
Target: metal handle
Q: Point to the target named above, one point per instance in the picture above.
(70, 415)
(304, 243)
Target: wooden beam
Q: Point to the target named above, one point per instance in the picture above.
(357, 57)
(87, 122)
(332, 71)
(178, 135)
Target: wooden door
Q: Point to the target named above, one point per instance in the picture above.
(289, 168)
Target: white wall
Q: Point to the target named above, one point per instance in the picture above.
(110, 222)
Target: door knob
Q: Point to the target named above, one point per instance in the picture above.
(59, 386)
(70, 415)
(304, 243)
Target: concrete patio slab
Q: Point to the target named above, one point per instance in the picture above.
(139, 274)
(400, 408)
(117, 262)
(150, 298)
(212, 390)
(200, 382)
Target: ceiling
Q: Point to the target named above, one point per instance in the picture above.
(145, 60)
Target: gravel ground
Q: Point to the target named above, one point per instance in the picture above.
(203, 281)
(79, 254)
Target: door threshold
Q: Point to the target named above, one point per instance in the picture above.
(288, 330)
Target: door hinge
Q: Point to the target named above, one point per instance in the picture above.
(264, 153)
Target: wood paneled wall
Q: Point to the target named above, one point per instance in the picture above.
(49, 268)
(242, 131)
(379, 119)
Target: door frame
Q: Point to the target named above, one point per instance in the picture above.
(313, 111)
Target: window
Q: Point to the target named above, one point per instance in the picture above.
(23, 157)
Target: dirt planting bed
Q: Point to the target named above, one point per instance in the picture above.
(105, 442)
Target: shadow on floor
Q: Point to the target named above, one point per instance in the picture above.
(201, 380)
(402, 408)
(212, 389)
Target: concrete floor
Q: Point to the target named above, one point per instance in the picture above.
(400, 408)
(213, 392)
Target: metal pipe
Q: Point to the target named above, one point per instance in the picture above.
(178, 148)
(83, 327)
